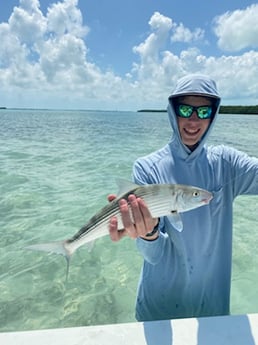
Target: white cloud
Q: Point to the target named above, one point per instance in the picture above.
(236, 76)
(44, 62)
(150, 49)
(60, 55)
(10, 48)
(183, 34)
(64, 17)
(27, 22)
(47, 52)
(238, 29)
(159, 66)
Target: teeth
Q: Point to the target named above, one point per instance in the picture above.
(192, 131)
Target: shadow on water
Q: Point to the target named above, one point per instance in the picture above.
(227, 330)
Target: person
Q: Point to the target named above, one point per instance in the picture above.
(188, 273)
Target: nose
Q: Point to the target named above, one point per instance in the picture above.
(194, 116)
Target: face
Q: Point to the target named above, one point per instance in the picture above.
(192, 129)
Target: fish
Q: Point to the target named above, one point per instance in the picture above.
(162, 200)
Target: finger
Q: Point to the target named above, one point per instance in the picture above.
(149, 221)
(114, 233)
(139, 222)
(111, 197)
(127, 219)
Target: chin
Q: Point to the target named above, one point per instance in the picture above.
(191, 145)
(190, 142)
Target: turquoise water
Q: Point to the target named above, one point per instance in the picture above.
(56, 169)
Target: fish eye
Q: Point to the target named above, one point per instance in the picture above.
(196, 193)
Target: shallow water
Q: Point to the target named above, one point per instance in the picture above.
(57, 168)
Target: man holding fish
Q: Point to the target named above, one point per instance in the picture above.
(187, 257)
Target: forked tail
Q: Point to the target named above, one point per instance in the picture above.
(54, 247)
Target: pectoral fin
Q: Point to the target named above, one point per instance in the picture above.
(176, 220)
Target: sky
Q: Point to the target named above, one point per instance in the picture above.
(124, 55)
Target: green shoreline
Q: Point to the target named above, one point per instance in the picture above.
(224, 109)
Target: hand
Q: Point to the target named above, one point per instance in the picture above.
(141, 224)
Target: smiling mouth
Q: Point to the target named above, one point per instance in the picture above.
(191, 132)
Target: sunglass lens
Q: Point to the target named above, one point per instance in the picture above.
(185, 110)
(204, 112)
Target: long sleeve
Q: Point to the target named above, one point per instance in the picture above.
(152, 251)
(238, 170)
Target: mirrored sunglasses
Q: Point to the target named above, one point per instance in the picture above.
(186, 111)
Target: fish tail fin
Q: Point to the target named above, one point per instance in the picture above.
(60, 248)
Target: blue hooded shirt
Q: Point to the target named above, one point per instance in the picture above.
(188, 273)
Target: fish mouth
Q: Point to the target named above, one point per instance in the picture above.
(207, 199)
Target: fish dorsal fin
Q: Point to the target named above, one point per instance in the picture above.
(124, 186)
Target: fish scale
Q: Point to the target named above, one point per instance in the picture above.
(161, 199)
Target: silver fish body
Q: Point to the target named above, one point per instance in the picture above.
(161, 199)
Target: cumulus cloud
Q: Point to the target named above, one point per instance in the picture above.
(27, 22)
(65, 18)
(236, 76)
(158, 65)
(49, 54)
(238, 29)
(183, 34)
(150, 49)
(45, 59)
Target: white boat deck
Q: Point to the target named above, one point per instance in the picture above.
(226, 330)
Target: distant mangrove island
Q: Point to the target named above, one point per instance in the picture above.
(224, 109)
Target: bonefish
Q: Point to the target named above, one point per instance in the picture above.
(161, 199)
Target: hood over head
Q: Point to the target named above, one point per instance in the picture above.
(195, 85)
